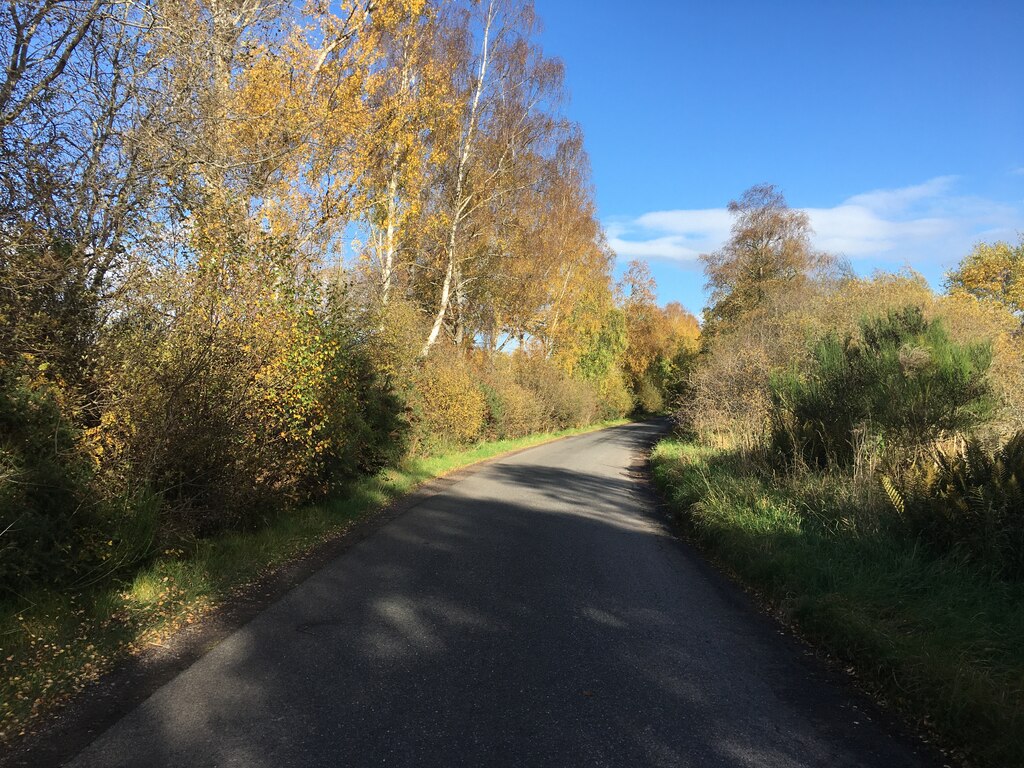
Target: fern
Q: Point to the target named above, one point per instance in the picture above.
(893, 494)
(968, 503)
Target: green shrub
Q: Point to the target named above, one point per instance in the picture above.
(900, 379)
(365, 426)
(649, 398)
(43, 483)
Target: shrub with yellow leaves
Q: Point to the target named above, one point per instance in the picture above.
(446, 403)
(513, 411)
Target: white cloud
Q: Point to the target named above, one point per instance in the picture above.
(859, 230)
(1018, 171)
(677, 235)
(655, 248)
(707, 220)
(898, 200)
(923, 224)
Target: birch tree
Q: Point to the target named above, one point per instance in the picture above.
(992, 273)
(476, 81)
(769, 250)
(410, 101)
(508, 91)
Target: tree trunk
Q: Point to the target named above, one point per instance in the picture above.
(461, 205)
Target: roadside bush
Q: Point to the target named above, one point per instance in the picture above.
(728, 400)
(365, 428)
(614, 399)
(565, 402)
(392, 335)
(231, 406)
(969, 320)
(512, 411)
(446, 403)
(649, 398)
(43, 483)
(728, 390)
(193, 415)
(900, 379)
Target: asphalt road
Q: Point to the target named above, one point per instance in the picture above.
(536, 613)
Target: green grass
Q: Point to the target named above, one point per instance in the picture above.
(53, 643)
(936, 641)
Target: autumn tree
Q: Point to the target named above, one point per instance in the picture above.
(181, 186)
(768, 251)
(75, 190)
(221, 363)
(75, 185)
(409, 101)
(657, 339)
(992, 273)
(473, 74)
(636, 290)
(578, 282)
(507, 90)
(546, 275)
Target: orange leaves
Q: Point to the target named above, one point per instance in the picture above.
(652, 333)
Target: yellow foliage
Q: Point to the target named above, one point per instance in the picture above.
(614, 398)
(565, 401)
(448, 406)
(513, 410)
(971, 320)
(729, 400)
(992, 273)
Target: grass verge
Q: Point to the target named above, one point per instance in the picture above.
(53, 643)
(934, 640)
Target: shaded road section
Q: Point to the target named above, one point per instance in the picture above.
(536, 613)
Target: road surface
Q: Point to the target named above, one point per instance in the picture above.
(536, 613)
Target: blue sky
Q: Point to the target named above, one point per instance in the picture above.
(897, 124)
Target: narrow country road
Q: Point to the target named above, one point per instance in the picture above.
(534, 614)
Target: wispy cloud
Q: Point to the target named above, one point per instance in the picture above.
(927, 223)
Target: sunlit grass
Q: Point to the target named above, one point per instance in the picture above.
(53, 643)
(934, 639)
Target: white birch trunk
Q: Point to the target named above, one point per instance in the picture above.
(460, 180)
